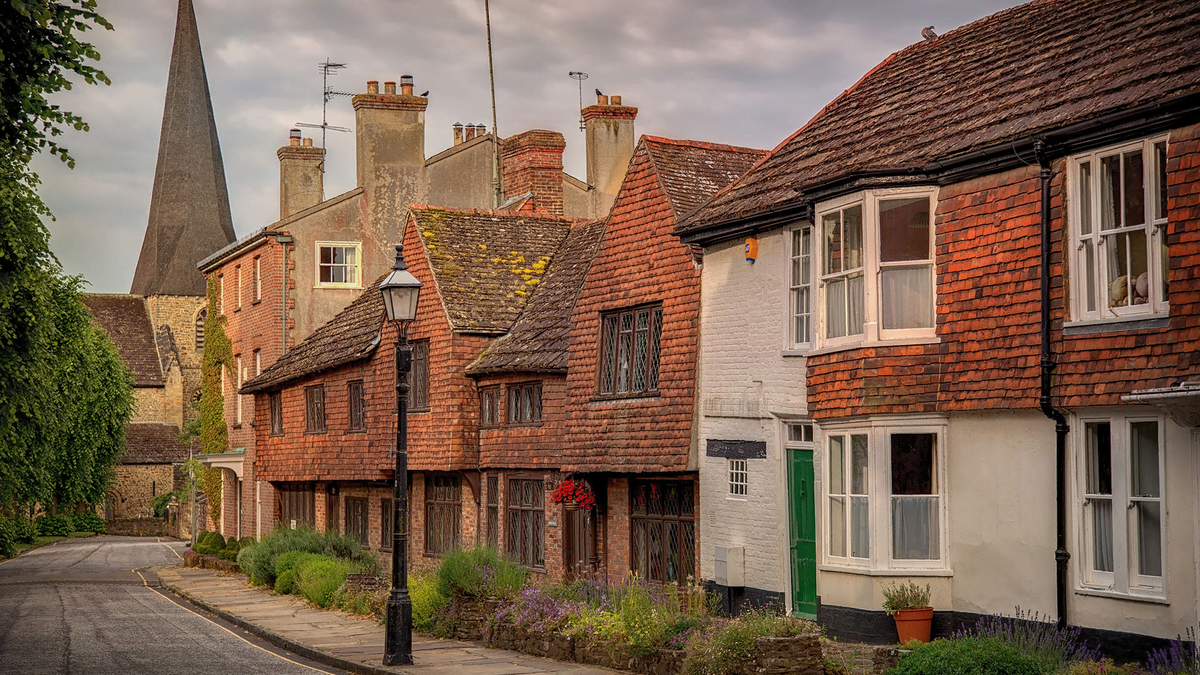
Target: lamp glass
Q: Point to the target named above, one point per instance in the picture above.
(400, 291)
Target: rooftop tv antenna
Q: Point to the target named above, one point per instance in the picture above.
(579, 76)
(326, 69)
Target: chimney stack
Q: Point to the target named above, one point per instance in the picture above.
(390, 146)
(532, 163)
(458, 133)
(608, 130)
(470, 132)
(300, 175)
(480, 130)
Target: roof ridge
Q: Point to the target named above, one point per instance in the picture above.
(707, 145)
(489, 212)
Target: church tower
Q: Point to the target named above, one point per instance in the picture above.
(189, 207)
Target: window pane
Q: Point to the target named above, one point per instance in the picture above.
(1160, 187)
(904, 229)
(835, 308)
(831, 228)
(1099, 459)
(1089, 280)
(915, 533)
(639, 352)
(1085, 198)
(1102, 534)
(913, 464)
(326, 255)
(800, 313)
(624, 341)
(858, 464)
(1149, 538)
(326, 274)
(1143, 452)
(1118, 269)
(907, 297)
(852, 224)
(837, 471)
(860, 534)
(855, 294)
(608, 343)
(1110, 192)
(655, 348)
(837, 526)
(1134, 189)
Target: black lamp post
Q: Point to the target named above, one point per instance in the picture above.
(400, 290)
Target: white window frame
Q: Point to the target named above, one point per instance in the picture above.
(873, 330)
(1155, 227)
(738, 475)
(358, 264)
(1124, 580)
(804, 285)
(879, 498)
(220, 294)
(257, 362)
(238, 391)
(257, 278)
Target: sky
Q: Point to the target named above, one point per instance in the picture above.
(746, 72)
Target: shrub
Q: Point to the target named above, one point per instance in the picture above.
(837, 668)
(538, 610)
(290, 560)
(427, 602)
(479, 572)
(54, 526)
(88, 521)
(259, 563)
(969, 655)
(898, 597)
(1182, 657)
(246, 542)
(285, 583)
(1036, 635)
(1102, 667)
(8, 542)
(724, 648)
(24, 530)
(209, 542)
(244, 557)
(370, 603)
(318, 579)
(230, 554)
(162, 501)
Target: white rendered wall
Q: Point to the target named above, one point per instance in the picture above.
(745, 387)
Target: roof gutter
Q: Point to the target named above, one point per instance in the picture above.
(740, 226)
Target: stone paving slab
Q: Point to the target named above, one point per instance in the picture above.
(356, 640)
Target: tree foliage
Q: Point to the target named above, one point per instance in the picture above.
(65, 395)
(218, 357)
(39, 47)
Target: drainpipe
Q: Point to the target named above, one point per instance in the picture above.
(1061, 555)
(283, 241)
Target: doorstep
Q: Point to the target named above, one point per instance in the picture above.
(343, 640)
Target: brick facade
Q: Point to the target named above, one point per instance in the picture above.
(532, 163)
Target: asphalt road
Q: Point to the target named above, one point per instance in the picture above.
(86, 606)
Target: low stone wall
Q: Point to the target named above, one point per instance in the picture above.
(208, 562)
(798, 655)
(136, 527)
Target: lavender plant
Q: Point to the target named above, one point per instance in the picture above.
(1037, 635)
(1181, 657)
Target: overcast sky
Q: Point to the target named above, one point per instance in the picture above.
(745, 72)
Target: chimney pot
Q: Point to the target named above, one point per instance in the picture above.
(615, 100)
(389, 88)
(470, 131)
(458, 132)
(601, 99)
(406, 85)
(294, 137)
(308, 142)
(372, 86)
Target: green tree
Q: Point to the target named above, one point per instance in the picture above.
(218, 357)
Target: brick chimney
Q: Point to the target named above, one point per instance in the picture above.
(533, 162)
(608, 130)
(390, 143)
(300, 175)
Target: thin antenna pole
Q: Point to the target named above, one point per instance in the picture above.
(579, 76)
(487, 16)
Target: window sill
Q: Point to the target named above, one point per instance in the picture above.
(523, 425)
(343, 287)
(1117, 595)
(237, 309)
(620, 398)
(798, 351)
(256, 301)
(323, 432)
(355, 432)
(418, 410)
(236, 426)
(1120, 324)
(870, 572)
(736, 498)
(899, 342)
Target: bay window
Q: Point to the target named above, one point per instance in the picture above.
(1118, 211)
(883, 496)
(1121, 505)
(876, 267)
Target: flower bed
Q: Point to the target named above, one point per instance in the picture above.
(643, 627)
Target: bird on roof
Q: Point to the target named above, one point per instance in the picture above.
(599, 93)
(927, 33)
(426, 94)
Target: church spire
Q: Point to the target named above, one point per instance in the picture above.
(189, 208)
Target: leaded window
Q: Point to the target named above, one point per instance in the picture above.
(526, 522)
(358, 406)
(491, 408)
(275, 400)
(314, 409)
(663, 530)
(418, 376)
(493, 511)
(525, 403)
(629, 351)
(443, 513)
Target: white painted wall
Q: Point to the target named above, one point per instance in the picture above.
(745, 386)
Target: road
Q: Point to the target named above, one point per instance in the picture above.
(86, 606)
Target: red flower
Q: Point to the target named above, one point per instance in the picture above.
(570, 491)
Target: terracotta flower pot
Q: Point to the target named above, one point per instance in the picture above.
(914, 624)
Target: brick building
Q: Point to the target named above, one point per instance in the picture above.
(280, 283)
(975, 333)
(326, 411)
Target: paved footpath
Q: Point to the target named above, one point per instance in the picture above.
(357, 640)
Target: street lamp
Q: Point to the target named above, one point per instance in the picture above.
(400, 290)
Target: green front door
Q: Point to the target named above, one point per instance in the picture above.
(802, 533)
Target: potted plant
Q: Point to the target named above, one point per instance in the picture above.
(908, 604)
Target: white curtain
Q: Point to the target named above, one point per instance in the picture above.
(835, 308)
(855, 304)
(1102, 535)
(915, 528)
(907, 297)
(860, 533)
